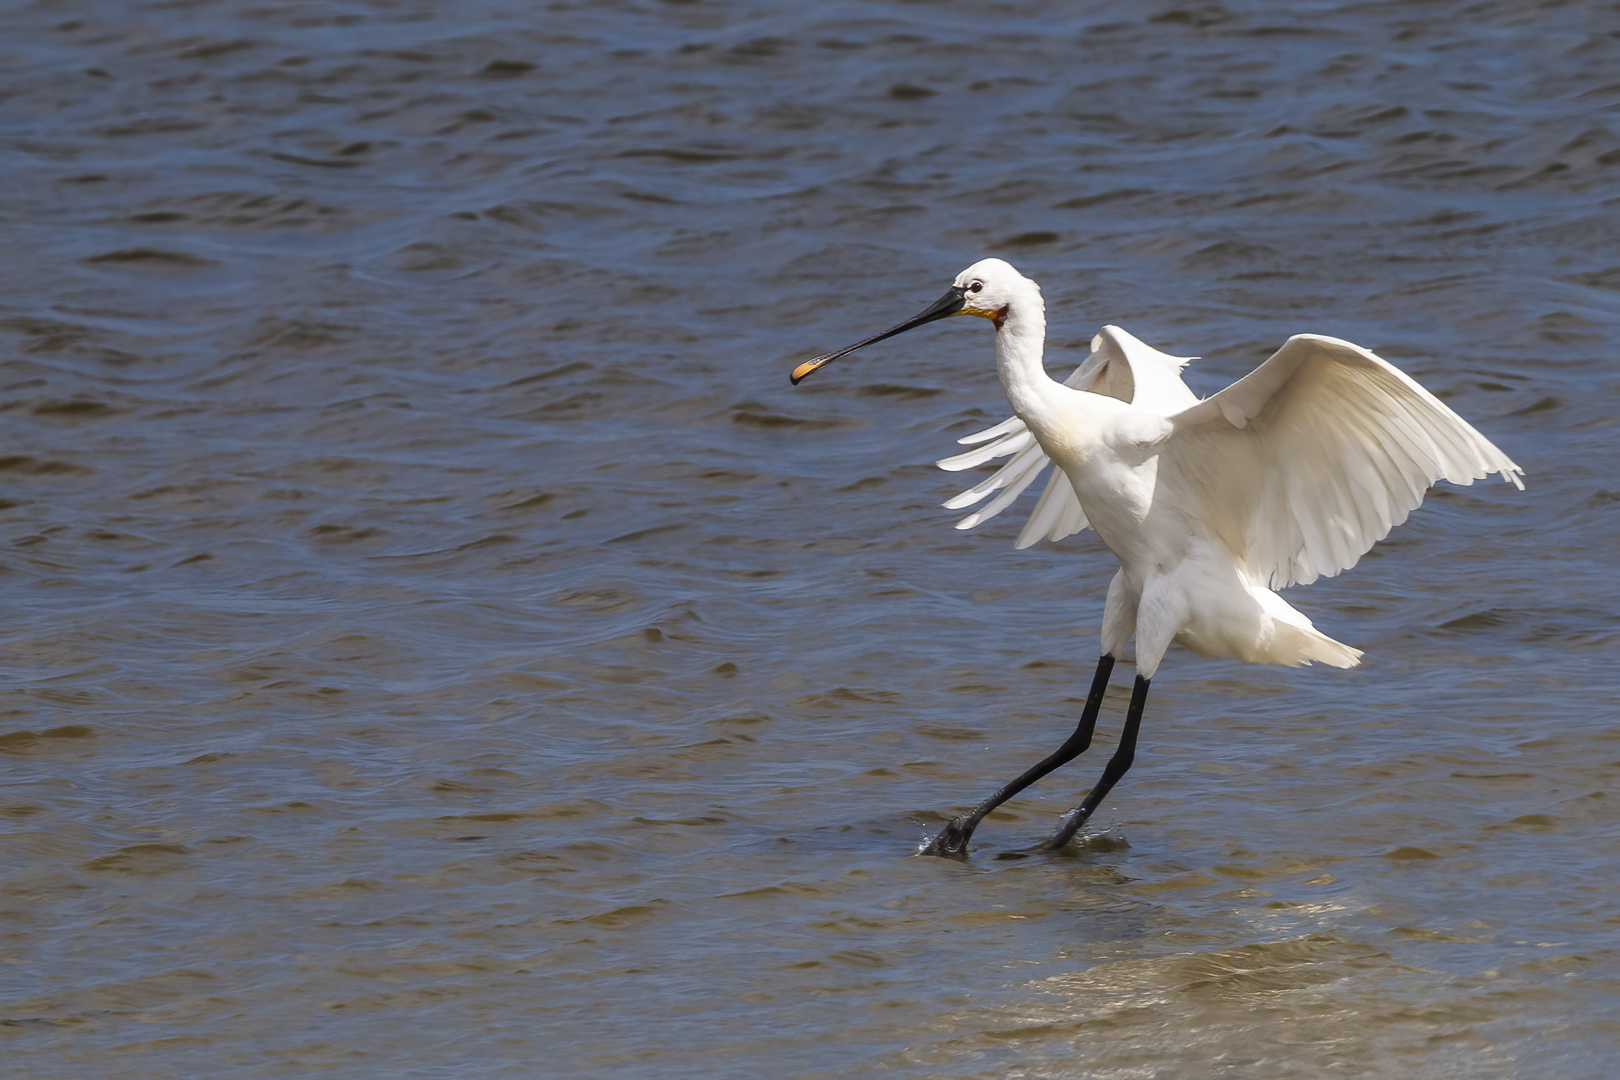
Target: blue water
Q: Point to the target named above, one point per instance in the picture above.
(442, 644)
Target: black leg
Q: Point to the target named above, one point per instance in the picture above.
(953, 839)
(1116, 768)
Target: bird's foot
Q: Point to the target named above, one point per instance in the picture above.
(952, 841)
(1045, 847)
(1054, 843)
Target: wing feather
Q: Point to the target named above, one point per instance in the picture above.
(1057, 513)
(1016, 473)
(1007, 444)
(1404, 447)
(1015, 487)
(1395, 474)
(1309, 460)
(1012, 423)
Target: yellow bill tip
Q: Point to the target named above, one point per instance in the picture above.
(807, 367)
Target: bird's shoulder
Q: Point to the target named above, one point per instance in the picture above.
(1081, 421)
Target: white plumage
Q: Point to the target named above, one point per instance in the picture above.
(1116, 357)
(1288, 475)
(1362, 439)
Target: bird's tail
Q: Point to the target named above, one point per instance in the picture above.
(1294, 641)
(1309, 645)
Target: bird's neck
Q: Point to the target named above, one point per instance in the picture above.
(1020, 338)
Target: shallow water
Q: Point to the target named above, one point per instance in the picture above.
(441, 644)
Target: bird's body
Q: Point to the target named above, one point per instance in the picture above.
(1178, 580)
(1287, 475)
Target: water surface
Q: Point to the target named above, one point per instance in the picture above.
(441, 644)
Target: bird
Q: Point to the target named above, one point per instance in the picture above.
(1209, 505)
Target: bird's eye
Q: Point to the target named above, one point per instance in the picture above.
(977, 286)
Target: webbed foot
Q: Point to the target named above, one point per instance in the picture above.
(1054, 843)
(952, 841)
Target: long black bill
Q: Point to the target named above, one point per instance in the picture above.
(944, 307)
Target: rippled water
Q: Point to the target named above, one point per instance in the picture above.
(441, 644)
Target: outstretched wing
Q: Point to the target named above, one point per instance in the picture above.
(1310, 459)
(1120, 366)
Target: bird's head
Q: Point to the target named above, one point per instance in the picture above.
(987, 289)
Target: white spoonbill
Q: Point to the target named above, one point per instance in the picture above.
(1288, 475)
